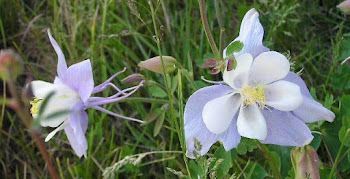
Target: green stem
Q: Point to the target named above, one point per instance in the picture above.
(271, 160)
(338, 155)
(205, 23)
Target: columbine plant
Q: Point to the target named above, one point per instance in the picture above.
(260, 99)
(71, 91)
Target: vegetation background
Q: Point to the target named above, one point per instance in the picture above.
(115, 34)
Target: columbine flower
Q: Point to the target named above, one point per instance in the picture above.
(260, 99)
(72, 90)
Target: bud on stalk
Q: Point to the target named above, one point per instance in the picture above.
(155, 64)
(10, 64)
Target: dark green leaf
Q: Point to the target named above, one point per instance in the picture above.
(151, 116)
(225, 166)
(246, 145)
(256, 171)
(157, 91)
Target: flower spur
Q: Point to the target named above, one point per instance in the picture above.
(71, 91)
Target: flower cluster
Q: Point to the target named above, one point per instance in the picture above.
(260, 99)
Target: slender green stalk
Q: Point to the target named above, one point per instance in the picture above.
(3, 104)
(270, 160)
(172, 110)
(204, 18)
(335, 164)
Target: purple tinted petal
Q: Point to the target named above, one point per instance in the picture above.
(79, 77)
(117, 115)
(79, 147)
(61, 65)
(310, 110)
(194, 125)
(251, 34)
(78, 123)
(231, 138)
(285, 129)
(103, 85)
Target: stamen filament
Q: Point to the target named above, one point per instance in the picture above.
(116, 115)
(103, 85)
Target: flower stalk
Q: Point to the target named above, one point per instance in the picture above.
(205, 23)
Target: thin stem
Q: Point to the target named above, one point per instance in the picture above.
(338, 155)
(172, 110)
(205, 23)
(25, 117)
(271, 160)
(116, 115)
(3, 104)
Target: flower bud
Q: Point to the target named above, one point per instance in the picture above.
(305, 162)
(155, 64)
(10, 64)
(209, 63)
(133, 79)
(345, 7)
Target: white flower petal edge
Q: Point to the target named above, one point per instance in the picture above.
(219, 112)
(239, 77)
(269, 67)
(61, 127)
(251, 123)
(283, 95)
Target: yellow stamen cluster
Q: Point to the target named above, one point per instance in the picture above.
(252, 95)
(35, 105)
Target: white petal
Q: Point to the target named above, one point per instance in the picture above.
(239, 77)
(42, 89)
(251, 123)
(268, 67)
(219, 112)
(283, 95)
(56, 104)
(61, 127)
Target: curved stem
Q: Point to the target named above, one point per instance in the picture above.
(205, 23)
(338, 155)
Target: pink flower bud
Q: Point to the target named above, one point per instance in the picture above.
(132, 79)
(305, 162)
(10, 64)
(209, 63)
(345, 7)
(155, 64)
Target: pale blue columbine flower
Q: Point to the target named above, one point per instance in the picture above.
(72, 90)
(260, 99)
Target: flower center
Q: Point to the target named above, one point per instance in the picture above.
(252, 95)
(36, 102)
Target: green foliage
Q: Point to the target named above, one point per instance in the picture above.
(233, 48)
(118, 34)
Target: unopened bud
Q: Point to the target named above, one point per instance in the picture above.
(155, 64)
(305, 162)
(231, 64)
(10, 64)
(209, 63)
(133, 79)
(345, 7)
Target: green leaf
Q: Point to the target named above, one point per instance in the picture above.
(233, 48)
(345, 106)
(277, 160)
(246, 145)
(344, 136)
(157, 91)
(151, 116)
(44, 104)
(225, 166)
(195, 170)
(256, 171)
(159, 124)
(341, 79)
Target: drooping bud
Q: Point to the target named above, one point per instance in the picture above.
(231, 64)
(155, 64)
(345, 7)
(209, 63)
(133, 79)
(305, 162)
(10, 64)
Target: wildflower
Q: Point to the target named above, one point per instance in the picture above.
(260, 99)
(155, 64)
(345, 7)
(72, 90)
